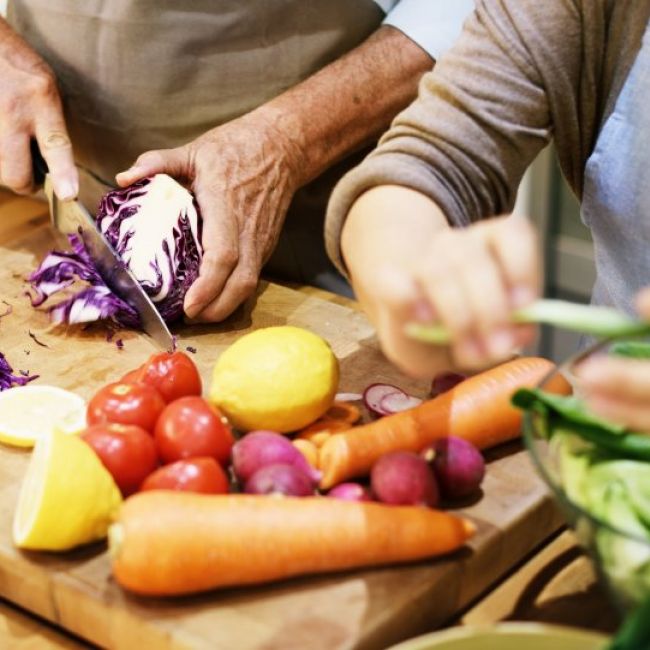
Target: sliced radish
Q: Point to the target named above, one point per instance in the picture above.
(445, 381)
(375, 393)
(348, 397)
(396, 402)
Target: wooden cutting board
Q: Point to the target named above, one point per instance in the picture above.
(364, 609)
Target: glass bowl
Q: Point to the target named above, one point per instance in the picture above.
(621, 555)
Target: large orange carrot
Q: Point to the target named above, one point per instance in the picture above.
(167, 543)
(478, 409)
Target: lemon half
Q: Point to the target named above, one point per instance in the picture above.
(67, 498)
(29, 412)
(278, 378)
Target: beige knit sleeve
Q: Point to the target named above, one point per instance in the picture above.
(480, 118)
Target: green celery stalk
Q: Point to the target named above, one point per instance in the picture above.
(601, 322)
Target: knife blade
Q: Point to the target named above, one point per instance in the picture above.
(71, 217)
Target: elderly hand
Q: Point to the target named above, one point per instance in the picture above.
(618, 389)
(244, 176)
(30, 107)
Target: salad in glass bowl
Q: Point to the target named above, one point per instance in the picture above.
(600, 473)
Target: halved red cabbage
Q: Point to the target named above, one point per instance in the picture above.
(155, 226)
(8, 379)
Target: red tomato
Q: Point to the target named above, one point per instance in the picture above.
(133, 376)
(173, 375)
(194, 475)
(137, 404)
(128, 453)
(191, 427)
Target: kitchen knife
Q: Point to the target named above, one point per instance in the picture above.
(71, 217)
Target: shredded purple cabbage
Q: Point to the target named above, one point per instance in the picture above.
(59, 270)
(8, 379)
(164, 259)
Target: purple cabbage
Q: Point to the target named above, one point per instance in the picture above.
(155, 227)
(8, 379)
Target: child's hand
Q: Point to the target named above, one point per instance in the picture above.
(618, 389)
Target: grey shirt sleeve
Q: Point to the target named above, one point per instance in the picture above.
(481, 116)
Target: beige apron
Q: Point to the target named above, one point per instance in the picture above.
(149, 74)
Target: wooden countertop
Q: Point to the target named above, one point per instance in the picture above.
(554, 584)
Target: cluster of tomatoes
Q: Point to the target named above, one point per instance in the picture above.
(153, 430)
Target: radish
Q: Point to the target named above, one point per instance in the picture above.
(396, 402)
(386, 399)
(348, 397)
(458, 466)
(262, 448)
(445, 381)
(287, 480)
(350, 492)
(404, 478)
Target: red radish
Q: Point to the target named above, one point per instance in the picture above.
(445, 381)
(288, 480)
(404, 478)
(350, 492)
(396, 402)
(262, 448)
(375, 393)
(457, 464)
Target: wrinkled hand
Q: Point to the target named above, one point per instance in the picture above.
(30, 107)
(618, 389)
(243, 176)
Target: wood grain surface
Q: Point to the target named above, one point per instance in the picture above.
(363, 609)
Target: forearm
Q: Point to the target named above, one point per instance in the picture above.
(387, 227)
(349, 102)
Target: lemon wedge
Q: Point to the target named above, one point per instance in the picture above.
(67, 498)
(27, 413)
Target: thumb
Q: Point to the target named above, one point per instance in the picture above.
(174, 162)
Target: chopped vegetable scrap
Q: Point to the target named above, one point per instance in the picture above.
(59, 270)
(37, 340)
(8, 310)
(8, 379)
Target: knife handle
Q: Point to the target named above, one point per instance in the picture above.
(39, 166)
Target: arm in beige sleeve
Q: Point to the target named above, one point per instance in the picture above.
(481, 116)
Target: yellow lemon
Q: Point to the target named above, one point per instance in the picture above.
(29, 412)
(278, 378)
(67, 498)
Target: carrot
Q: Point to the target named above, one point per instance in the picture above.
(169, 543)
(478, 409)
(343, 411)
(322, 429)
(309, 450)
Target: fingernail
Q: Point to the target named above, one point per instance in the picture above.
(67, 190)
(500, 343)
(522, 296)
(131, 171)
(470, 350)
(423, 312)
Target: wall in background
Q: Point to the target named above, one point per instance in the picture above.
(3, 7)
